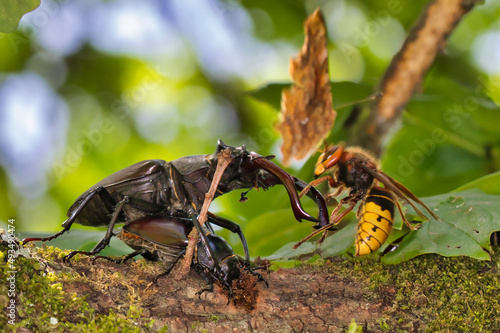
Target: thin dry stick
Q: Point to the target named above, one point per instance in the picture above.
(223, 161)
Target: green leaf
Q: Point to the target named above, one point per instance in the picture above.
(83, 240)
(270, 94)
(467, 221)
(287, 252)
(489, 184)
(11, 12)
(285, 264)
(417, 157)
(448, 137)
(340, 241)
(269, 231)
(336, 243)
(343, 93)
(354, 327)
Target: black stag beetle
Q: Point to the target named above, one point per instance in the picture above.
(178, 189)
(165, 238)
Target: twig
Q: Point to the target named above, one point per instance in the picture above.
(408, 67)
(223, 161)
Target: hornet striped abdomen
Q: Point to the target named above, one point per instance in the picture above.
(375, 223)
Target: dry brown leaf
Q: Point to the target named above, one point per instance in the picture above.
(307, 114)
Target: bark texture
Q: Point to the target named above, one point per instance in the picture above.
(297, 299)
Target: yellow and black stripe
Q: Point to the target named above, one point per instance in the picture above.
(375, 223)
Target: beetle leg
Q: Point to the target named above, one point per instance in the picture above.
(243, 197)
(254, 273)
(201, 271)
(120, 260)
(206, 244)
(209, 225)
(169, 269)
(234, 228)
(69, 222)
(105, 241)
(230, 295)
(209, 280)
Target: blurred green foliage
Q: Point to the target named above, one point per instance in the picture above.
(12, 11)
(124, 108)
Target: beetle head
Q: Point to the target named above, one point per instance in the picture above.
(228, 267)
(249, 169)
(230, 270)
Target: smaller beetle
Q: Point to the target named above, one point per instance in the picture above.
(165, 238)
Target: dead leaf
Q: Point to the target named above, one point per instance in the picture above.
(307, 114)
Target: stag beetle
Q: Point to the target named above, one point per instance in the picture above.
(164, 238)
(178, 189)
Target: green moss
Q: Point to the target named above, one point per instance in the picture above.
(195, 324)
(42, 306)
(164, 329)
(285, 264)
(430, 293)
(383, 325)
(354, 327)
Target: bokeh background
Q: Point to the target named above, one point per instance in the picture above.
(88, 87)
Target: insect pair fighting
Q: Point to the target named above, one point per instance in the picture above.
(159, 201)
(358, 171)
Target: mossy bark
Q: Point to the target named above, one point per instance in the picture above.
(427, 293)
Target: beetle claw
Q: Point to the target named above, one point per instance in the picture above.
(67, 259)
(209, 289)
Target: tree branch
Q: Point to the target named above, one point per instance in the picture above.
(408, 67)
